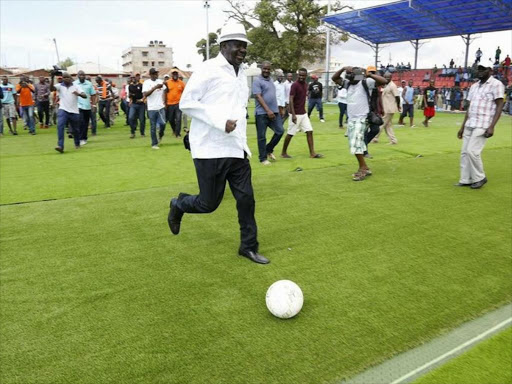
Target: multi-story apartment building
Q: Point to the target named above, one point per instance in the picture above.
(140, 59)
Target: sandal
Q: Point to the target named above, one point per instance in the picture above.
(367, 172)
(317, 156)
(359, 176)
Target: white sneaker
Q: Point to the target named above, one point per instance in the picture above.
(322, 120)
(83, 142)
(155, 147)
(413, 126)
(266, 162)
(271, 156)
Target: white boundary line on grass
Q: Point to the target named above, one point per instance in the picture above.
(451, 352)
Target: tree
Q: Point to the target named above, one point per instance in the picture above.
(289, 33)
(214, 47)
(66, 63)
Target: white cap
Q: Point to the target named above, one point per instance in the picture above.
(233, 31)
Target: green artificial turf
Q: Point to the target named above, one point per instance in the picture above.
(95, 289)
(487, 363)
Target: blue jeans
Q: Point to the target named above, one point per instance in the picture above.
(93, 121)
(319, 107)
(62, 120)
(262, 122)
(137, 112)
(28, 116)
(156, 117)
(343, 112)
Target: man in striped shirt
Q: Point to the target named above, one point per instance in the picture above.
(486, 104)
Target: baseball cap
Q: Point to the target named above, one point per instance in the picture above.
(314, 77)
(371, 68)
(153, 70)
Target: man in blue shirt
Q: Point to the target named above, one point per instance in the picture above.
(267, 114)
(85, 105)
(8, 104)
(408, 104)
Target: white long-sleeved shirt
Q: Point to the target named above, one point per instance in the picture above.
(280, 93)
(213, 95)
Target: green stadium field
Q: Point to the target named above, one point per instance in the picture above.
(95, 289)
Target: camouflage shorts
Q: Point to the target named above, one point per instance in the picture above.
(356, 129)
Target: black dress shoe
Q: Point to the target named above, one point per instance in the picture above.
(254, 256)
(174, 218)
(461, 185)
(479, 184)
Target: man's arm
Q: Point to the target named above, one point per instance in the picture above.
(460, 133)
(497, 114)
(270, 114)
(148, 93)
(403, 97)
(164, 94)
(337, 76)
(292, 109)
(398, 104)
(79, 92)
(379, 80)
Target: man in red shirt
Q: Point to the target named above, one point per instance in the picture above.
(300, 120)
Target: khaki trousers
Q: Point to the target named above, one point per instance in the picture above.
(388, 117)
(471, 165)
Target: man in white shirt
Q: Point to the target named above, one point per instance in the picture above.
(216, 99)
(153, 93)
(280, 92)
(68, 109)
(287, 89)
(486, 104)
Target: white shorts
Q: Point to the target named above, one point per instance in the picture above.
(303, 124)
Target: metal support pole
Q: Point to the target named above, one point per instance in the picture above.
(206, 6)
(376, 55)
(327, 56)
(55, 42)
(467, 40)
(416, 48)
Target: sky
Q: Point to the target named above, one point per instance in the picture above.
(99, 31)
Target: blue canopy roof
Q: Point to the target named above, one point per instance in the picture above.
(424, 19)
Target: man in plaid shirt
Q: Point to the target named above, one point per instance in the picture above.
(486, 104)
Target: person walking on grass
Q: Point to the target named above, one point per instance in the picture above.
(486, 103)
(8, 104)
(408, 105)
(26, 92)
(358, 108)
(137, 108)
(105, 95)
(315, 93)
(300, 120)
(68, 94)
(172, 92)
(429, 102)
(85, 105)
(152, 89)
(391, 105)
(267, 114)
(42, 96)
(218, 139)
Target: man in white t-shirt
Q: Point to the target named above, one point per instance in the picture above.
(358, 107)
(68, 109)
(152, 89)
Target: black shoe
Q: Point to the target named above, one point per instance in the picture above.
(254, 256)
(461, 185)
(368, 156)
(174, 217)
(70, 136)
(479, 184)
(59, 149)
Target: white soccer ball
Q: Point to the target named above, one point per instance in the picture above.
(284, 299)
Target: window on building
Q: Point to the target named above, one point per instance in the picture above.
(152, 63)
(144, 53)
(144, 63)
(161, 55)
(161, 63)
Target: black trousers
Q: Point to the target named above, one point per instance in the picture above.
(174, 118)
(85, 116)
(43, 110)
(212, 175)
(104, 112)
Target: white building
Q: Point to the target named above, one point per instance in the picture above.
(140, 59)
